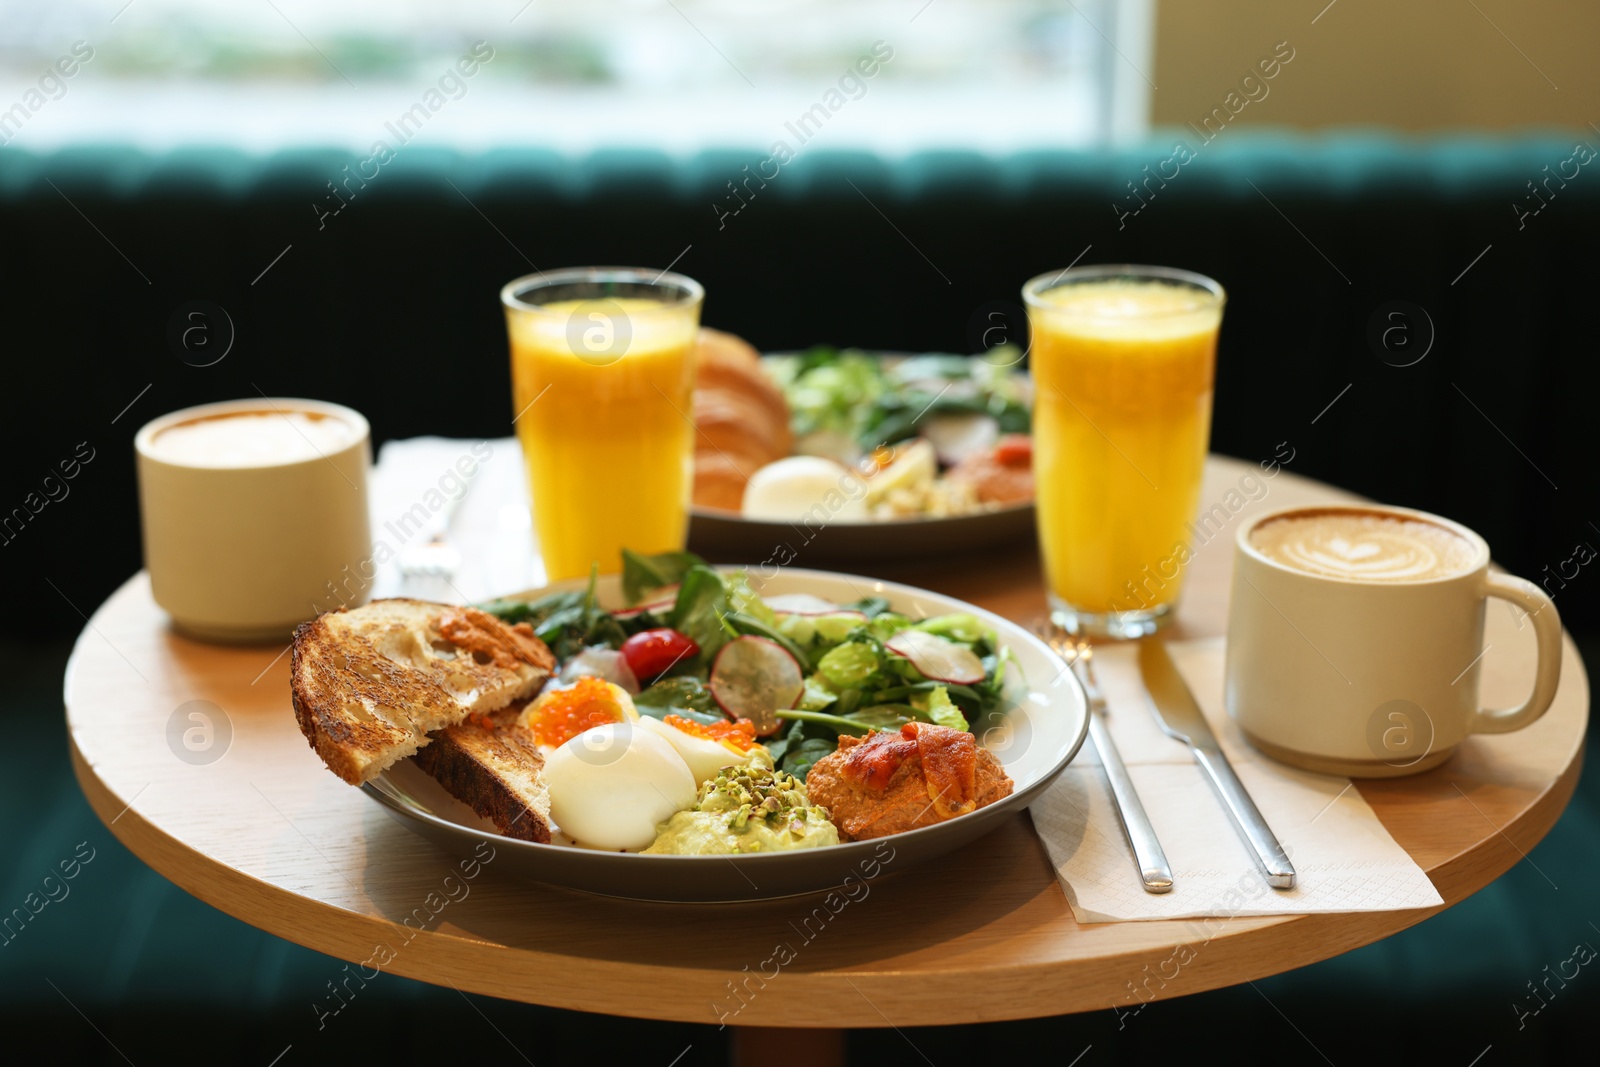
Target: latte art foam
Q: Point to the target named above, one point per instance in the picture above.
(1366, 546)
(252, 439)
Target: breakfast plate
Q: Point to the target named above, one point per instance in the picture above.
(1034, 735)
(936, 446)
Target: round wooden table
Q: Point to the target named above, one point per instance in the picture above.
(250, 821)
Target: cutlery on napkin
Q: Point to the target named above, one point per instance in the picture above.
(1345, 858)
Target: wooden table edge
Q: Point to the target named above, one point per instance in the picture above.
(823, 999)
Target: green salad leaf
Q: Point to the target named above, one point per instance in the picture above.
(959, 626)
(831, 390)
(852, 684)
(817, 694)
(679, 693)
(942, 711)
(533, 612)
(640, 573)
(799, 758)
(870, 606)
(886, 624)
(701, 611)
(850, 665)
(745, 601)
(568, 621)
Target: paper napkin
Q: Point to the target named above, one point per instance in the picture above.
(1345, 858)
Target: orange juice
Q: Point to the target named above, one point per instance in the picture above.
(1123, 368)
(602, 387)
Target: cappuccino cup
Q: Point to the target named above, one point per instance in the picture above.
(252, 511)
(1355, 637)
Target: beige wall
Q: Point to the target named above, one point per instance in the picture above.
(1413, 65)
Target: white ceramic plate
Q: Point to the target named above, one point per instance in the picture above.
(1035, 737)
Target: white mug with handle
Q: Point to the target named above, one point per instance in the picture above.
(1355, 639)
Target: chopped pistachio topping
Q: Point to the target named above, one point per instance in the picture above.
(745, 793)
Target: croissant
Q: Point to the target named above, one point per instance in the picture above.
(741, 420)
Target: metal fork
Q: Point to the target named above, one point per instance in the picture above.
(435, 560)
(1154, 871)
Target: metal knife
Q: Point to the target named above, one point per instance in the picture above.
(1180, 717)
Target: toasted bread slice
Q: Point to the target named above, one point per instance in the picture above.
(493, 766)
(370, 684)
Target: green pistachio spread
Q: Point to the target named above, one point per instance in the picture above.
(746, 809)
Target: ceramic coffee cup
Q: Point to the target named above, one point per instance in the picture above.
(254, 514)
(1355, 639)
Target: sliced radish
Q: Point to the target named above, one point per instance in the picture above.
(600, 662)
(957, 435)
(936, 658)
(659, 602)
(753, 678)
(801, 604)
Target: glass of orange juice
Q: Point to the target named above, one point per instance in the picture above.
(1123, 359)
(602, 376)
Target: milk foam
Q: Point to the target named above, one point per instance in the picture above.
(1365, 546)
(252, 439)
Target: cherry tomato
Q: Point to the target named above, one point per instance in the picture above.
(652, 652)
(1014, 450)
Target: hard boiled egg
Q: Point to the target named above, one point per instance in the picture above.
(806, 487)
(611, 785)
(564, 711)
(705, 756)
(914, 465)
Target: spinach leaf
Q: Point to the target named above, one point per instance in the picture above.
(896, 415)
(568, 622)
(640, 574)
(778, 746)
(679, 693)
(533, 612)
(704, 718)
(798, 760)
(701, 610)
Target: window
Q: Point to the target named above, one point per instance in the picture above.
(680, 75)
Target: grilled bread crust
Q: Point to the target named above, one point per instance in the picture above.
(493, 766)
(369, 684)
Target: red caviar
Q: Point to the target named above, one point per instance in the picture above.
(566, 713)
(740, 733)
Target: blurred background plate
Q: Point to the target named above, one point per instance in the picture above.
(724, 536)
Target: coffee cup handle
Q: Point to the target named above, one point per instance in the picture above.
(1547, 635)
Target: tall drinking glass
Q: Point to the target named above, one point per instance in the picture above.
(602, 376)
(1123, 360)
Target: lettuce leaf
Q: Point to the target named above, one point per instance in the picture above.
(942, 711)
(849, 665)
